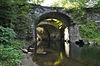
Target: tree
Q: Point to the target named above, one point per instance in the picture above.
(36, 1)
(11, 11)
(5, 12)
(83, 3)
(14, 14)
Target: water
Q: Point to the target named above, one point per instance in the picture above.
(55, 56)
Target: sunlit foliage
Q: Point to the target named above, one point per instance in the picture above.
(70, 6)
(57, 23)
(38, 2)
(83, 3)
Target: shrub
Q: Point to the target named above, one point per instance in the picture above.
(10, 53)
(6, 35)
(9, 56)
(89, 31)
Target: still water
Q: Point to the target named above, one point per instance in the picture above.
(52, 54)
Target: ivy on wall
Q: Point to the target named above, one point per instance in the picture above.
(89, 31)
(77, 11)
(88, 28)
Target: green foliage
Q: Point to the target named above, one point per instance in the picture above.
(14, 14)
(18, 44)
(61, 3)
(10, 56)
(55, 4)
(10, 53)
(73, 5)
(38, 2)
(96, 8)
(89, 31)
(77, 11)
(6, 35)
(97, 5)
(82, 3)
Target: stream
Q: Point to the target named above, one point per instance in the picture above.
(52, 54)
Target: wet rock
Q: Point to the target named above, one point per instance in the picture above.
(25, 50)
(42, 53)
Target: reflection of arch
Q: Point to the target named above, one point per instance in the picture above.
(42, 33)
(55, 15)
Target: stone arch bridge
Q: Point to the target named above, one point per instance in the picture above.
(40, 13)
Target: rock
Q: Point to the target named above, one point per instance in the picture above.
(25, 50)
(42, 53)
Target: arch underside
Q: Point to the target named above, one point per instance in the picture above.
(55, 15)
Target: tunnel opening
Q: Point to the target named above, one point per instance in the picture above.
(50, 31)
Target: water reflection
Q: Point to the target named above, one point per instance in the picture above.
(52, 54)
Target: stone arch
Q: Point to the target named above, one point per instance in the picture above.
(72, 27)
(55, 15)
(38, 17)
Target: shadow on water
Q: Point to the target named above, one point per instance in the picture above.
(52, 54)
